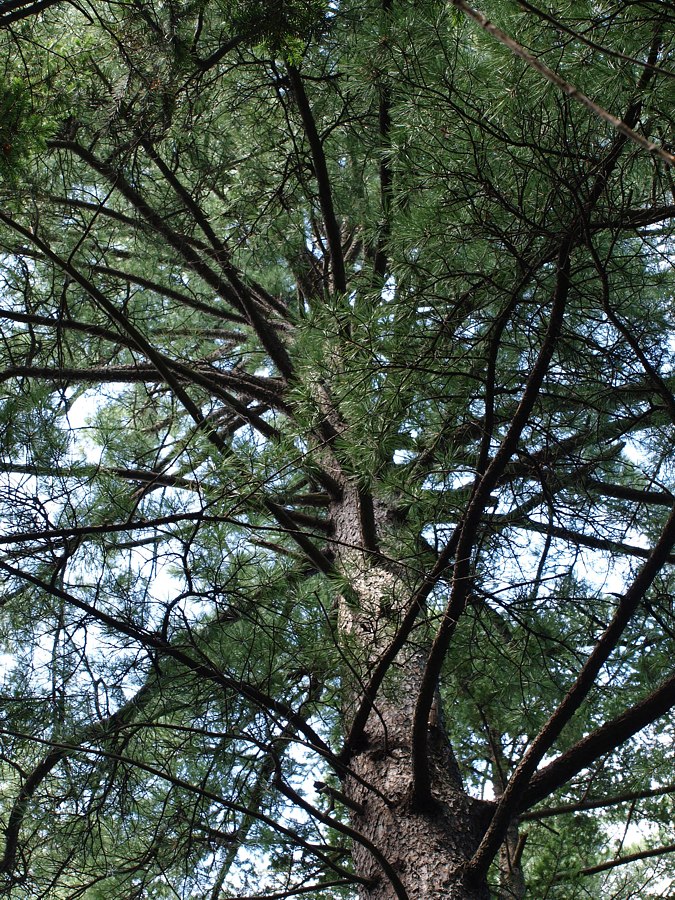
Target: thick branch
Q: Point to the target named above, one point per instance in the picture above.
(635, 495)
(520, 780)
(600, 742)
(15, 10)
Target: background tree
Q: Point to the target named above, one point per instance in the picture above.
(336, 449)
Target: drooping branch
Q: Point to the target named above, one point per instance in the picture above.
(199, 666)
(99, 730)
(64, 749)
(241, 301)
(382, 860)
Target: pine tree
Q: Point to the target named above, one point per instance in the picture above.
(336, 449)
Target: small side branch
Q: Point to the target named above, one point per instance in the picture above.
(629, 858)
(550, 812)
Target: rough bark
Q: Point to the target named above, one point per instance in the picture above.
(427, 848)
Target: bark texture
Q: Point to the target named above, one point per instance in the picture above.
(428, 848)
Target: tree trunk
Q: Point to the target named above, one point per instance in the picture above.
(426, 849)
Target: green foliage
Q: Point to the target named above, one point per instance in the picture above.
(557, 855)
(283, 27)
(224, 481)
(23, 128)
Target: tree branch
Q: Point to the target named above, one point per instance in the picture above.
(585, 540)
(567, 88)
(14, 10)
(199, 667)
(522, 776)
(536, 815)
(241, 302)
(323, 181)
(599, 743)
(462, 577)
(629, 858)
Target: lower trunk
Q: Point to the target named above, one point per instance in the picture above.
(425, 850)
(413, 854)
